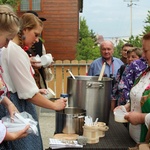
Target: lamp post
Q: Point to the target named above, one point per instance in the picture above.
(130, 5)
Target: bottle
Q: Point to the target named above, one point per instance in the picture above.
(64, 95)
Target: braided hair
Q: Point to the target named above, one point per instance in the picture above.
(8, 20)
(27, 21)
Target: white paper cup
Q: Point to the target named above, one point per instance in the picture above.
(119, 116)
(46, 60)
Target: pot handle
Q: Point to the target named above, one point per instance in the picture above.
(94, 85)
(76, 116)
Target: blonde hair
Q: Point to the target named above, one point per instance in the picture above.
(9, 22)
(28, 21)
(138, 51)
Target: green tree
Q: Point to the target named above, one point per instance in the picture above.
(136, 41)
(86, 48)
(118, 48)
(13, 3)
(84, 30)
(147, 22)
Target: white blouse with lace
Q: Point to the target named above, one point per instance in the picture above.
(135, 96)
(18, 72)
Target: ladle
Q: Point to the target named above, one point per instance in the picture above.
(102, 72)
(68, 70)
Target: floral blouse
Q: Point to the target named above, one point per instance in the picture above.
(133, 72)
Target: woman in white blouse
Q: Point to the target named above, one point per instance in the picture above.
(139, 106)
(9, 26)
(18, 76)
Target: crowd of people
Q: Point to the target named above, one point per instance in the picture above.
(20, 92)
(132, 83)
(18, 76)
(138, 105)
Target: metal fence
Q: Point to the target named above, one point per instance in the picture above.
(59, 69)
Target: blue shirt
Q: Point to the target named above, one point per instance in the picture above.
(111, 69)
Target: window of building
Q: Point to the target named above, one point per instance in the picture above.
(30, 5)
(36, 4)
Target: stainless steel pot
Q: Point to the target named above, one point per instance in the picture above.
(94, 96)
(70, 120)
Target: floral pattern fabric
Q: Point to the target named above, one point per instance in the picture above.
(132, 73)
(117, 93)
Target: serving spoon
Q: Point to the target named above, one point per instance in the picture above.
(68, 70)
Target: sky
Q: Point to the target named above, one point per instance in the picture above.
(112, 18)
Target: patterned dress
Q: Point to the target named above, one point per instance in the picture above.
(132, 73)
(31, 142)
(4, 145)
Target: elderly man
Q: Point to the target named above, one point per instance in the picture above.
(112, 63)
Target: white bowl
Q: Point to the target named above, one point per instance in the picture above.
(46, 60)
(119, 116)
(37, 58)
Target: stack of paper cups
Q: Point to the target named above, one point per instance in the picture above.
(91, 133)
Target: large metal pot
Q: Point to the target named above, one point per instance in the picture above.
(70, 120)
(87, 93)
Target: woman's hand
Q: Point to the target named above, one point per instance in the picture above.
(10, 136)
(12, 110)
(135, 118)
(127, 107)
(35, 64)
(43, 91)
(10, 106)
(60, 104)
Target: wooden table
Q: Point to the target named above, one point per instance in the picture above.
(116, 138)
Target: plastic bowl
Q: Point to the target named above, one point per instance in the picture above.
(46, 60)
(120, 118)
